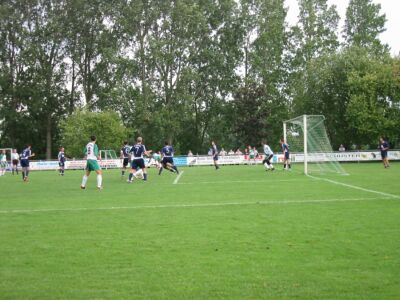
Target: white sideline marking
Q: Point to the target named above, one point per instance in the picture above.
(194, 205)
(356, 187)
(239, 181)
(177, 178)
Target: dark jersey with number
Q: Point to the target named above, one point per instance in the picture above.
(125, 151)
(285, 148)
(61, 157)
(26, 153)
(167, 151)
(138, 151)
(214, 150)
(384, 146)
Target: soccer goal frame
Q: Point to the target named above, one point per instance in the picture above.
(304, 139)
(315, 144)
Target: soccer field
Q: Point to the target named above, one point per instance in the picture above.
(235, 233)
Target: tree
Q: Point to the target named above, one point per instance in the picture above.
(13, 90)
(374, 105)
(313, 37)
(77, 129)
(356, 92)
(317, 25)
(363, 25)
(251, 116)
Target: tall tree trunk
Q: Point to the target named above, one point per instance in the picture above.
(72, 97)
(48, 137)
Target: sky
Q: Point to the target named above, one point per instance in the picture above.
(390, 8)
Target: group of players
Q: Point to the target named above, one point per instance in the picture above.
(22, 159)
(165, 159)
(131, 154)
(135, 156)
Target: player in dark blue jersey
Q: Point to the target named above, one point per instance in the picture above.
(286, 155)
(61, 161)
(125, 157)
(25, 155)
(167, 161)
(214, 153)
(138, 167)
(384, 147)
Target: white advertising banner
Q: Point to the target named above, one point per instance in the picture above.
(228, 160)
(73, 164)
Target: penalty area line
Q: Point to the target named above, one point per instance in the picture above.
(194, 205)
(356, 187)
(177, 178)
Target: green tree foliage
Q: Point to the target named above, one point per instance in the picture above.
(363, 25)
(373, 108)
(357, 93)
(82, 124)
(316, 30)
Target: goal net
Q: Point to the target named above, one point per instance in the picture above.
(307, 138)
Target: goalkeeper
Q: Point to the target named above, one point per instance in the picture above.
(269, 154)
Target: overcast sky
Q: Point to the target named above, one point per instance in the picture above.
(390, 8)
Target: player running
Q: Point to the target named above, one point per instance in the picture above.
(125, 157)
(269, 154)
(92, 155)
(61, 161)
(157, 159)
(167, 162)
(3, 162)
(138, 167)
(214, 153)
(286, 155)
(15, 161)
(25, 155)
(384, 147)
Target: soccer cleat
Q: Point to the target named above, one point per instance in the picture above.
(83, 187)
(129, 181)
(99, 188)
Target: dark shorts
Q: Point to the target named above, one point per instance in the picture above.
(167, 160)
(287, 155)
(215, 157)
(138, 164)
(61, 164)
(268, 157)
(15, 162)
(125, 162)
(24, 163)
(384, 154)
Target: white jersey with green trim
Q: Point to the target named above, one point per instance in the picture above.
(267, 150)
(91, 151)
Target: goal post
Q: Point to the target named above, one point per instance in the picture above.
(308, 140)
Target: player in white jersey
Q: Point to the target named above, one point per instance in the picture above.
(3, 162)
(269, 154)
(92, 154)
(15, 161)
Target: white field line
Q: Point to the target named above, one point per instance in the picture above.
(356, 187)
(270, 181)
(193, 205)
(177, 178)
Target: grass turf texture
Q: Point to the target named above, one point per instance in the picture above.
(238, 232)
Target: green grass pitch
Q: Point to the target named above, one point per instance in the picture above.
(235, 233)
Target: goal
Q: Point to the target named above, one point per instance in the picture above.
(309, 144)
